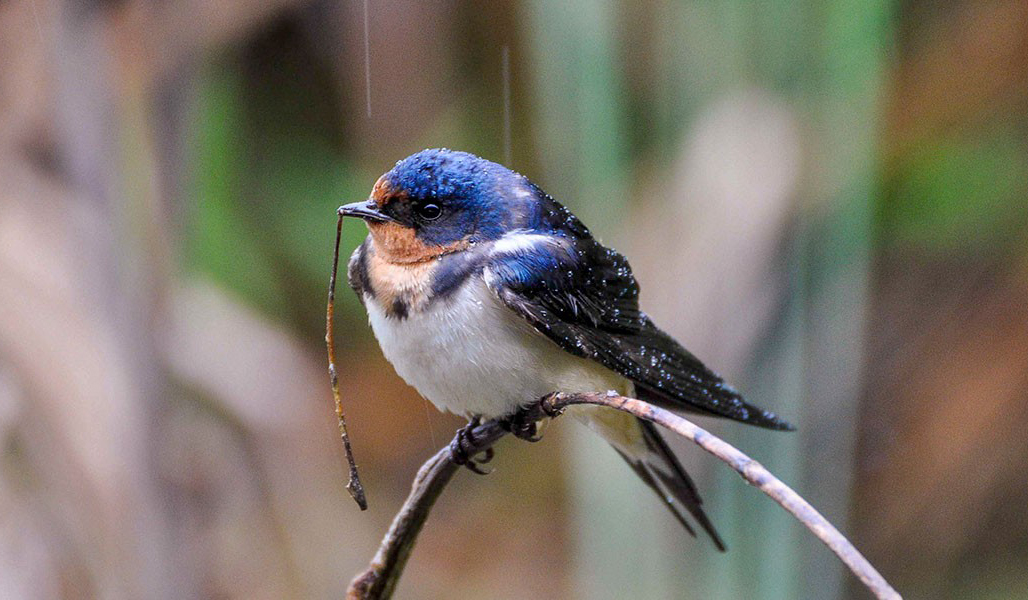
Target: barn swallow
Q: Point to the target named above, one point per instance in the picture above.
(486, 295)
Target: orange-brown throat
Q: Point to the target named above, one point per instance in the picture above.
(400, 288)
(394, 242)
(398, 244)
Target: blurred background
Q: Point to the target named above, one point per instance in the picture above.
(827, 201)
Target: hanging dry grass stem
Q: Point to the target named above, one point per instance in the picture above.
(354, 485)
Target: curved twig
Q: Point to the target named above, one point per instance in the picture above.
(354, 485)
(381, 576)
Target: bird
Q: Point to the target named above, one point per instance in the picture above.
(486, 295)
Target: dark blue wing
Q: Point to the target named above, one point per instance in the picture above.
(583, 296)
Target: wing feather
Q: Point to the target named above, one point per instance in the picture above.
(584, 297)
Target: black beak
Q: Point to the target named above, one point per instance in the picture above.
(366, 210)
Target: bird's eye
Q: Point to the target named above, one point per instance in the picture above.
(429, 212)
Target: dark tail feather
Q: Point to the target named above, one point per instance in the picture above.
(664, 475)
(731, 405)
(645, 472)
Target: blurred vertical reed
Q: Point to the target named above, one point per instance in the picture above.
(578, 91)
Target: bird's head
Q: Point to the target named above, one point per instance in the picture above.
(441, 201)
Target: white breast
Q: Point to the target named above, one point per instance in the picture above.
(470, 354)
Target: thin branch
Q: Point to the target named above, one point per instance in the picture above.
(379, 580)
(381, 576)
(354, 485)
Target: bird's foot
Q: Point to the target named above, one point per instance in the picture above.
(462, 448)
(546, 404)
(522, 425)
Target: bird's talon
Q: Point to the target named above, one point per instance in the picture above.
(474, 468)
(547, 405)
(462, 448)
(457, 453)
(521, 428)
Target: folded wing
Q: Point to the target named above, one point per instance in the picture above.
(584, 297)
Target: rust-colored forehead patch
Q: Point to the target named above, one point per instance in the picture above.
(383, 191)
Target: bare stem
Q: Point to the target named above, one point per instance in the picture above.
(354, 485)
(382, 574)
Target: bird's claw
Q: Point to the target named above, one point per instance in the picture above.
(521, 426)
(546, 404)
(462, 448)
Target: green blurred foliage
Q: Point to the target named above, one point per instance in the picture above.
(959, 194)
(266, 203)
